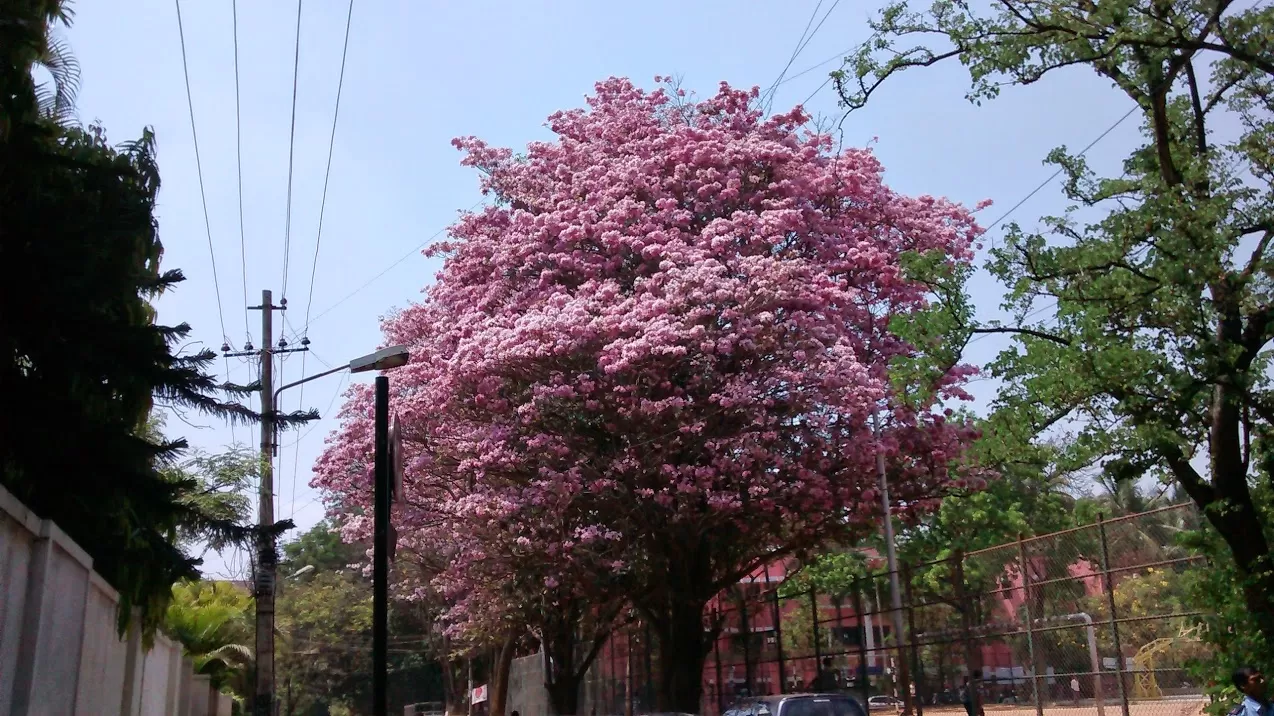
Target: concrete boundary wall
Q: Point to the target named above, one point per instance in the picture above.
(60, 652)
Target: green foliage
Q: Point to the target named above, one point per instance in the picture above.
(1231, 629)
(934, 331)
(84, 361)
(1162, 307)
(1028, 496)
(324, 620)
(829, 573)
(326, 652)
(320, 547)
(213, 622)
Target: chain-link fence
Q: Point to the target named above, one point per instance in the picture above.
(1092, 620)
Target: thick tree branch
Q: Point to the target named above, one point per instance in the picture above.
(1024, 331)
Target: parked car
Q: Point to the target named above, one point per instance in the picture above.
(799, 705)
(884, 702)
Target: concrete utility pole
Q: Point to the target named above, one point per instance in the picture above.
(266, 556)
(267, 560)
(891, 560)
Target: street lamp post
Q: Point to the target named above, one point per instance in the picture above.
(380, 555)
(382, 360)
(891, 561)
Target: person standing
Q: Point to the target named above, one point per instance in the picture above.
(970, 698)
(1251, 683)
(828, 679)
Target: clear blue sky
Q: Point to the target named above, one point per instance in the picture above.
(420, 73)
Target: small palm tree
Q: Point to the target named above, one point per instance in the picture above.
(1153, 536)
(211, 620)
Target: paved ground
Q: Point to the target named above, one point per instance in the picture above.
(1166, 707)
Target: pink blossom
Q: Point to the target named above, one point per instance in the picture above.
(673, 326)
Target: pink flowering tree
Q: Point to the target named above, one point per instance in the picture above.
(662, 352)
(531, 570)
(505, 560)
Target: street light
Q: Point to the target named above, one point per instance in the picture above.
(380, 555)
(303, 570)
(382, 360)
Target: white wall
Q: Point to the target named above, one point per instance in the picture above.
(60, 653)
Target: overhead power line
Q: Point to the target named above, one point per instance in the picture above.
(327, 173)
(801, 44)
(287, 227)
(238, 156)
(1059, 171)
(839, 56)
(386, 270)
(318, 240)
(1037, 190)
(769, 93)
(203, 196)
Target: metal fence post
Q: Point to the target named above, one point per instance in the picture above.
(648, 693)
(716, 657)
(837, 642)
(1030, 626)
(1109, 588)
(972, 664)
(864, 678)
(818, 647)
(778, 639)
(917, 674)
(614, 675)
(745, 631)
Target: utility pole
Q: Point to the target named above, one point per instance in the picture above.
(266, 555)
(891, 560)
(267, 560)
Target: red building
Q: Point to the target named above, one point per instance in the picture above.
(767, 639)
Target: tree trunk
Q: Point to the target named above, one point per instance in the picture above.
(1240, 524)
(502, 659)
(682, 652)
(1242, 532)
(454, 695)
(564, 694)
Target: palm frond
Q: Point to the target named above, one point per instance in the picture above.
(58, 102)
(230, 656)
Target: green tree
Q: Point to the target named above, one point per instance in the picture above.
(321, 548)
(1162, 309)
(80, 376)
(324, 623)
(213, 622)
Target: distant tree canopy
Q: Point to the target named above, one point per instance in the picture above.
(322, 548)
(325, 622)
(82, 361)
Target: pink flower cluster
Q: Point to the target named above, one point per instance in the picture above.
(674, 319)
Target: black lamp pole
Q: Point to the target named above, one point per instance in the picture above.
(380, 556)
